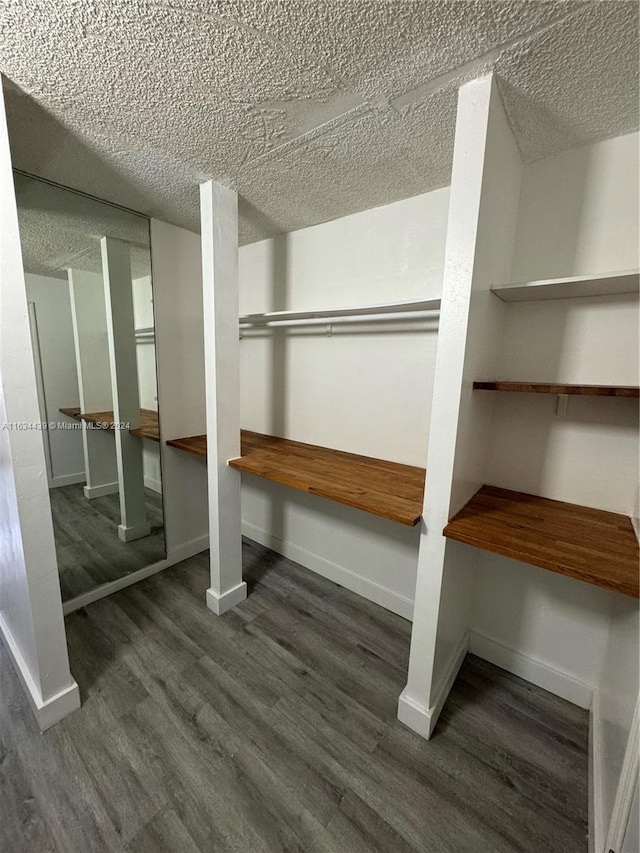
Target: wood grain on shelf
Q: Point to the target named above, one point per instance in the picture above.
(557, 388)
(386, 489)
(382, 488)
(149, 426)
(589, 544)
(73, 412)
(195, 444)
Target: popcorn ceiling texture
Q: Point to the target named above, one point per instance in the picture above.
(311, 109)
(61, 229)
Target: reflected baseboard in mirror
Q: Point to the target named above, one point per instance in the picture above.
(90, 293)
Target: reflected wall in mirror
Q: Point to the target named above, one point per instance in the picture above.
(89, 289)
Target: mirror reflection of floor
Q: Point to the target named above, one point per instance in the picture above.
(87, 545)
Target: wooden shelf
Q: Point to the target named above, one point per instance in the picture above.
(149, 426)
(591, 545)
(195, 444)
(609, 284)
(556, 388)
(382, 488)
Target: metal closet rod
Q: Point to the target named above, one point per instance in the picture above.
(414, 310)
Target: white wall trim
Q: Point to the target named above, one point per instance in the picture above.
(557, 681)
(91, 492)
(47, 712)
(368, 589)
(596, 818)
(626, 786)
(416, 716)
(67, 480)
(183, 552)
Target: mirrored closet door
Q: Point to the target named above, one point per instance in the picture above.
(89, 289)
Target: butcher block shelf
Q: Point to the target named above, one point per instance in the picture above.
(555, 388)
(149, 426)
(385, 489)
(195, 444)
(591, 545)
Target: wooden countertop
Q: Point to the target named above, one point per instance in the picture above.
(591, 545)
(382, 488)
(149, 424)
(556, 388)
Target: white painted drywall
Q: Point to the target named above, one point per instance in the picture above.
(60, 382)
(578, 214)
(617, 695)
(31, 618)
(147, 376)
(362, 390)
(177, 289)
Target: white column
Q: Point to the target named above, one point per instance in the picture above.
(483, 207)
(118, 290)
(177, 265)
(89, 318)
(31, 620)
(219, 215)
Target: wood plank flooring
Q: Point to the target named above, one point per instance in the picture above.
(88, 549)
(273, 729)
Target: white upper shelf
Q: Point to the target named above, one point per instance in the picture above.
(608, 284)
(392, 309)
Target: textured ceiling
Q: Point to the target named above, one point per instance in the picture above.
(61, 229)
(311, 109)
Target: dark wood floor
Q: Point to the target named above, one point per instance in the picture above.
(273, 728)
(88, 549)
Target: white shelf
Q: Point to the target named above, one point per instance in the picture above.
(608, 284)
(392, 309)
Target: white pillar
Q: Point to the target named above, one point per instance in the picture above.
(118, 291)
(483, 207)
(219, 215)
(89, 318)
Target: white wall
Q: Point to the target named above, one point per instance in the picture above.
(60, 380)
(579, 212)
(617, 696)
(31, 620)
(361, 390)
(578, 215)
(147, 376)
(177, 289)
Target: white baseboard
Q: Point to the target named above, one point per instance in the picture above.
(338, 574)
(91, 492)
(67, 480)
(154, 485)
(418, 717)
(47, 712)
(221, 602)
(556, 681)
(176, 555)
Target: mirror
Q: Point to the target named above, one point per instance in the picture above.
(89, 290)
